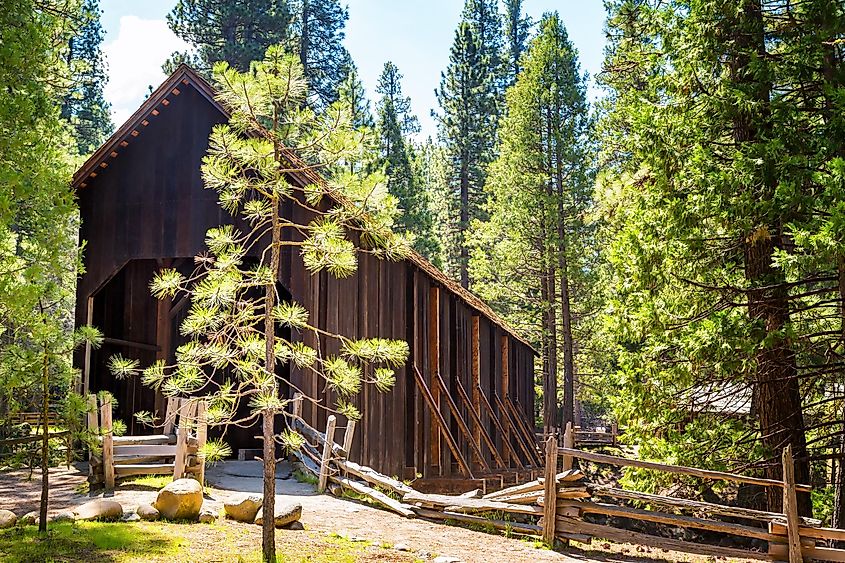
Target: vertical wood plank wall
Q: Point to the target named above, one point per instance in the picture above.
(149, 208)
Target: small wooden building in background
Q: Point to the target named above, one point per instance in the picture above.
(143, 207)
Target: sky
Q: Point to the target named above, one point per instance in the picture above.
(415, 35)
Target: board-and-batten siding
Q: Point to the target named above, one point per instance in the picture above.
(148, 208)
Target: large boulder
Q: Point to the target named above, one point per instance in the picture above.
(29, 519)
(148, 512)
(180, 500)
(208, 515)
(66, 516)
(243, 508)
(285, 515)
(100, 509)
(7, 519)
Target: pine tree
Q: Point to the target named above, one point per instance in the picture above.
(532, 253)
(470, 97)
(236, 311)
(717, 157)
(467, 98)
(237, 32)
(486, 24)
(811, 48)
(84, 106)
(317, 35)
(38, 229)
(432, 170)
(351, 92)
(395, 124)
(517, 29)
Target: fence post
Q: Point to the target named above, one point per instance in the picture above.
(614, 429)
(550, 492)
(108, 444)
(202, 437)
(185, 412)
(568, 442)
(790, 506)
(347, 436)
(327, 453)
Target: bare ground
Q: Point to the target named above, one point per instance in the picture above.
(323, 516)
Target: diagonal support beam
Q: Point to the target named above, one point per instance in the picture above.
(524, 426)
(527, 447)
(437, 417)
(517, 406)
(485, 436)
(492, 414)
(462, 425)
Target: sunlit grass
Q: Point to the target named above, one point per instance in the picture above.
(86, 541)
(166, 542)
(155, 482)
(304, 477)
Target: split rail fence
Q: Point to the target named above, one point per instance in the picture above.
(556, 506)
(787, 536)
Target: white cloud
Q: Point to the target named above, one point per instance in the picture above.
(135, 57)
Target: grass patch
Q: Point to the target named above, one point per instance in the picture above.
(85, 541)
(153, 482)
(304, 477)
(166, 542)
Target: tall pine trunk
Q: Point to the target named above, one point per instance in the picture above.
(268, 526)
(566, 330)
(563, 267)
(776, 383)
(550, 279)
(550, 351)
(838, 517)
(45, 439)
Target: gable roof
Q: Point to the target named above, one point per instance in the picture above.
(157, 103)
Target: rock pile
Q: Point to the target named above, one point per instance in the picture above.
(180, 500)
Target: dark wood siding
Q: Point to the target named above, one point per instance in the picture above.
(148, 208)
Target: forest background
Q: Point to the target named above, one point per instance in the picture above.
(669, 231)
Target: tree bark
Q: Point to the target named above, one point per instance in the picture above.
(838, 517)
(566, 334)
(550, 419)
(551, 322)
(268, 527)
(563, 267)
(45, 440)
(776, 383)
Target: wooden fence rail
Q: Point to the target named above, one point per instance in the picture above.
(554, 507)
(789, 536)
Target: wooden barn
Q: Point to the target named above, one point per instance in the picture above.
(143, 207)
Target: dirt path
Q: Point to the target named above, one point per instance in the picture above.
(330, 515)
